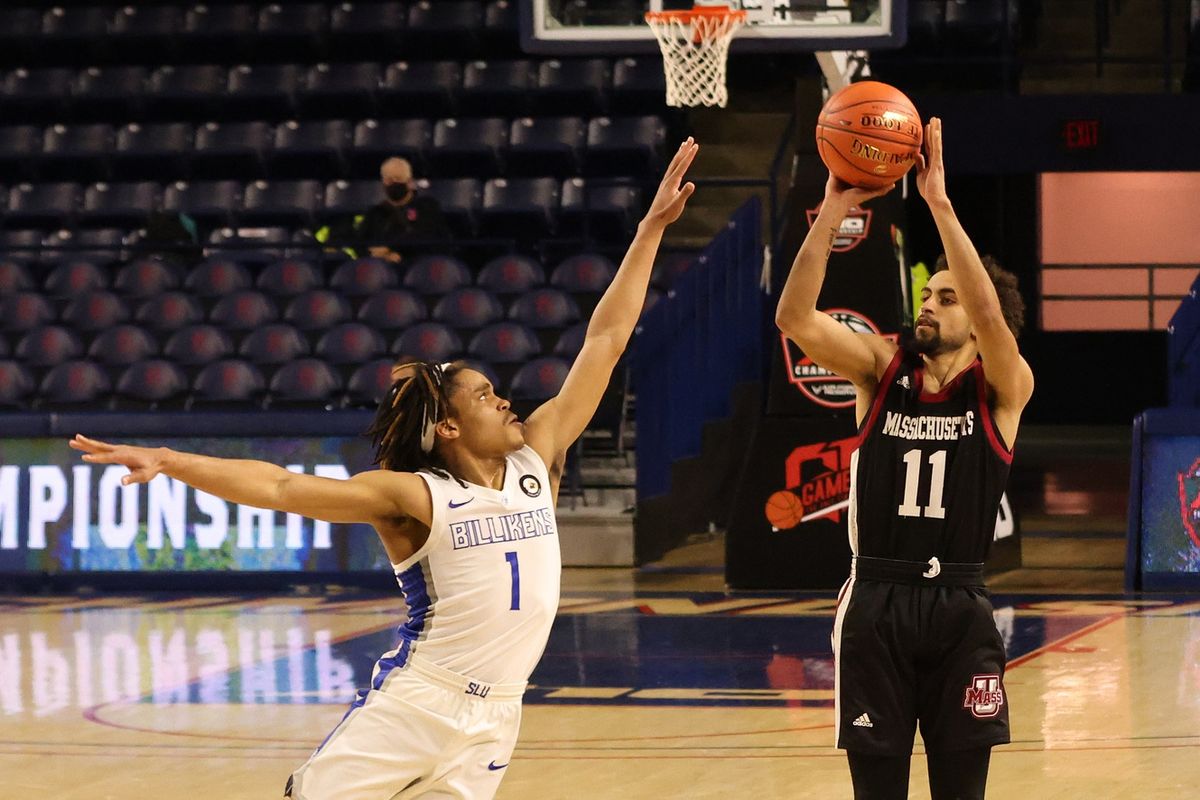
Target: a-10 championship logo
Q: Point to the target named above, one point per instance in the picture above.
(817, 484)
(853, 231)
(817, 383)
(1189, 501)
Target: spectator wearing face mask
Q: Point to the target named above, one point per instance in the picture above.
(403, 216)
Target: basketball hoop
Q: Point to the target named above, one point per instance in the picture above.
(695, 45)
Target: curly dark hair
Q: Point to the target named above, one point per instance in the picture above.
(402, 432)
(1012, 305)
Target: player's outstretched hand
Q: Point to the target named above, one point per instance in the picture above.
(838, 191)
(931, 174)
(143, 462)
(671, 197)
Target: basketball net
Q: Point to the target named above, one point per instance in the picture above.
(695, 46)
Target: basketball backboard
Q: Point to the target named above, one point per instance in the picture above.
(599, 27)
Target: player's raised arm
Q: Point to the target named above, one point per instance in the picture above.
(553, 427)
(1007, 373)
(859, 358)
(369, 497)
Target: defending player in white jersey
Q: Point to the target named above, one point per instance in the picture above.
(464, 506)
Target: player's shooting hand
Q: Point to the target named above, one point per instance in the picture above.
(931, 173)
(143, 462)
(670, 199)
(845, 195)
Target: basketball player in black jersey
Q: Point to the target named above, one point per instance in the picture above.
(914, 638)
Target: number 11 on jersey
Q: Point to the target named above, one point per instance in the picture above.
(511, 558)
(912, 481)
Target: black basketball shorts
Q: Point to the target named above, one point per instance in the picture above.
(906, 654)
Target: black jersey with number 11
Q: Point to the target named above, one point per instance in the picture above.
(929, 470)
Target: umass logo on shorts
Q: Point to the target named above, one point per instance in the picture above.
(984, 696)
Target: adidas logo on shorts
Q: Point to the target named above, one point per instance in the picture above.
(863, 722)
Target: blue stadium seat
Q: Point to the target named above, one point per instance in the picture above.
(624, 145)
(348, 198)
(36, 95)
(39, 204)
(217, 277)
(573, 86)
(74, 385)
(24, 311)
(346, 90)
(153, 383)
(48, 345)
(168, 311)
(545, 146)
(668, 267)
(15, 276)
(367, 29)
(524, 208)
(23, 244)
(317, 310)
(444, 26)
(148, 30)
(218, 27)
(570, 342)
(585, 273)
(16, 384)
(197, 345)
(470, 307)
(95, 311)
(460, 199)
(277, 343)
(598, 212)
(545, 308)
(376, 140)
(281, 202)
(367, 387)
(254, 246)
(109, 93)
(539, 380)
(5, 351)
(147, 277)
(124, 204)
(78, 30)
(505, 343)
(496, 87)
(468, 146)
(306, 383)
(392, 310)
(243, 310)
(638, 85)
(501, 26)
(428, 341)
(153, 151)
(350, 344)
(364, 277)
(511, 275)
(420, 88)
(20, 30)
(291, 29)
(20, 150)
(122, 345)
(230, 382)
(100, 245)
(208, 202)
(310, 149)
(437, 275)
(259, 91)
(76, 151)
(73, 277)
(288, 277)
(232, 150)
(188, 91)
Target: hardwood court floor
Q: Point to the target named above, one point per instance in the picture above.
(653, 686)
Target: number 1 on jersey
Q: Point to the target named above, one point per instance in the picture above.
(912, 481)
(511, 558)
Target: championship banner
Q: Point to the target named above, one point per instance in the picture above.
(60, 515)
(789, 528)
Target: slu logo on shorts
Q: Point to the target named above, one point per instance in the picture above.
(984, 696)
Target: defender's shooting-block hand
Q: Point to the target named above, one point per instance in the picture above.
(670, 199)
(143, 462)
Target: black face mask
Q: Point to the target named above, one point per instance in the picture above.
(396, 191)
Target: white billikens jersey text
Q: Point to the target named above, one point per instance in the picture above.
(483, 590)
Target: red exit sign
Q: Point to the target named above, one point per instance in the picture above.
(1081, 134)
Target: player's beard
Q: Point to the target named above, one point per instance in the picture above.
(927, 340)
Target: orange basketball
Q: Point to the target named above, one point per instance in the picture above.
(869, 134)
(784, 510)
